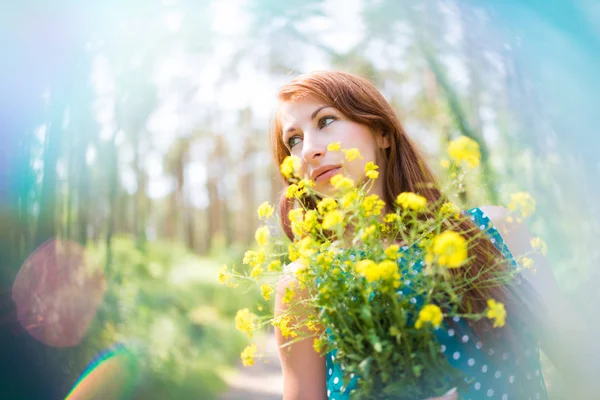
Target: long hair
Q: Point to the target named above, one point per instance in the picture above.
(405, 171)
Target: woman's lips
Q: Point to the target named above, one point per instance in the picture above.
(326, 176)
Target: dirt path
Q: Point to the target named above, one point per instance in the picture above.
(262, 381)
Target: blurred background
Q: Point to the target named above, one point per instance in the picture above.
(134, 154)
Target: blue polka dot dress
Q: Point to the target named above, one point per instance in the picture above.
(495, 370)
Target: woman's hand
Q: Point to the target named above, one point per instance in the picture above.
(451, 394)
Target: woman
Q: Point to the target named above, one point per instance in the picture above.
(326, 107)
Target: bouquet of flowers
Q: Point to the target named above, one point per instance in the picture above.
(380, 280)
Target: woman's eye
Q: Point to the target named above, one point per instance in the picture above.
(294, 140)
(323, 122)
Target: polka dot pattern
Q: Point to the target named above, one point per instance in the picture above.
(494, 370)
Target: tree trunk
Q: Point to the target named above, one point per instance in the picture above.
(46, 225)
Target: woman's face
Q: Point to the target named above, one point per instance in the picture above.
(310, 125)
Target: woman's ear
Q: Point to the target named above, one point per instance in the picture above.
(383, 140)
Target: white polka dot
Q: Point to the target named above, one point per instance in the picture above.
(336, 380)
(504, 396)
(342, 388)
(400, 292)
(404, 247)
(343, 367)
(352, 375)
(456, 318)
(498, 374)
(471, 362)
(456, 355)
(450, 332)
(465, 339)
(490, 393)
(505, 356)
(328, 393)
(484, 369)
(442, 348)
(537, 372)
(527, 353)
(330, 371)
(511, 379)
(407, 282)
(482, 227)
(479, 345)
(413, 300)
(473, 211)
(528, 376)
(491, 352)
(493, 240)
(477, 385)
(473, 218)
(537, 395)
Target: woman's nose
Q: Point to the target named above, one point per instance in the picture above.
(312, 150)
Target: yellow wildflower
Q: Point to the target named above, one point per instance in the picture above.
(335, 146)
(332, 219)
(254, 258)
(523, 202)
(288, 296)
(352, 154)
(248, 354)
(311, 221)
(450, 209)
(290, 166)
(293, 252)
(371, 170)
(340, 182)
(312, 325)
(296, 217)
(367, 268)
(319, 345)
(539, 244)
(326, 205)
(294, 191)
(349, 199)
(445, 163)
(526, 262)
(306, 183)
(265, 210)
(283, 323)
(369, 232)
(496, 312)
(307, 247)
(373, 272)
(274, 266)
(388, 269)
(245, 321)
(449, 249)
(411, 201)
(262, 236)
(391, 218)
(430, 313)
(224, 276)
(372, 205)
(392, 252)
(266, 291)
(465, 149)
(256, 271)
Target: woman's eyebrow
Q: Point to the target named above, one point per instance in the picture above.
(312, 116)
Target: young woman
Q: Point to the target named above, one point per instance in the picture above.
(321, 108)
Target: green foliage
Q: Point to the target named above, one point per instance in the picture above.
(167, 304)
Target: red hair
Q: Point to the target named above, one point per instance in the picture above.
(405, 170)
